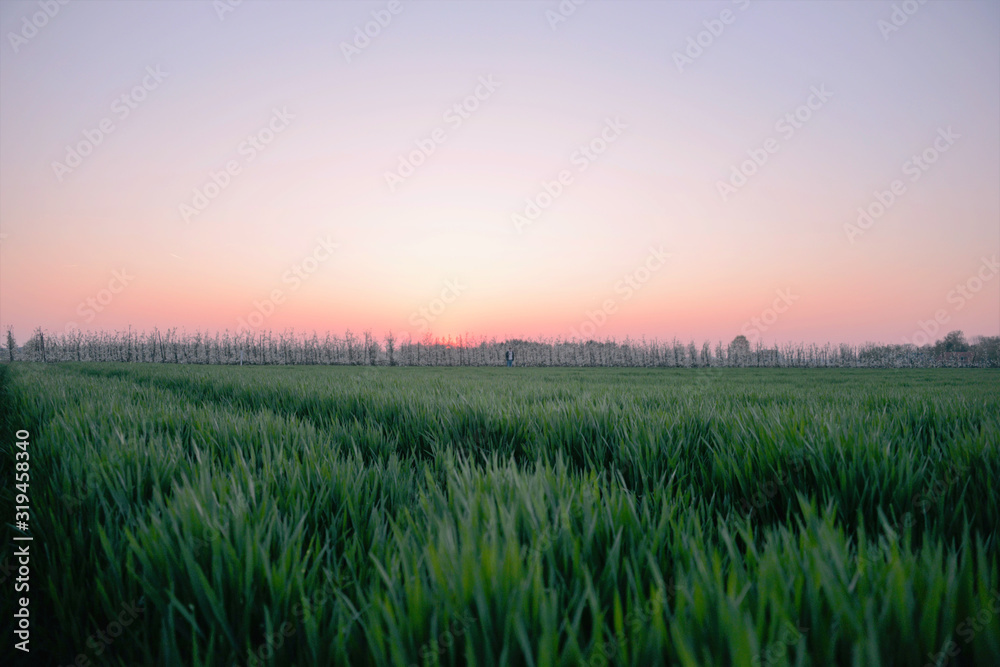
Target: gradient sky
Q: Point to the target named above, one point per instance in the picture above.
(448, 227)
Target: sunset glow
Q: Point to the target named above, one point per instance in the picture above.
(502, 169)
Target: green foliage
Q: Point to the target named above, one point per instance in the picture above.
(429, 516)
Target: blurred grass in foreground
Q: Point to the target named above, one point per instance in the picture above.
(426, 516)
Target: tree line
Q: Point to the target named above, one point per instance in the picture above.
(285, 348)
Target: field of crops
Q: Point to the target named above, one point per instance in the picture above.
(205, 515)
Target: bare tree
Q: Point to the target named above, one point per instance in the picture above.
(11, 343)
(390, 347)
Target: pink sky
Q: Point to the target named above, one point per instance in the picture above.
(307, 214)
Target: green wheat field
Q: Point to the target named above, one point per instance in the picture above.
(205, 515)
